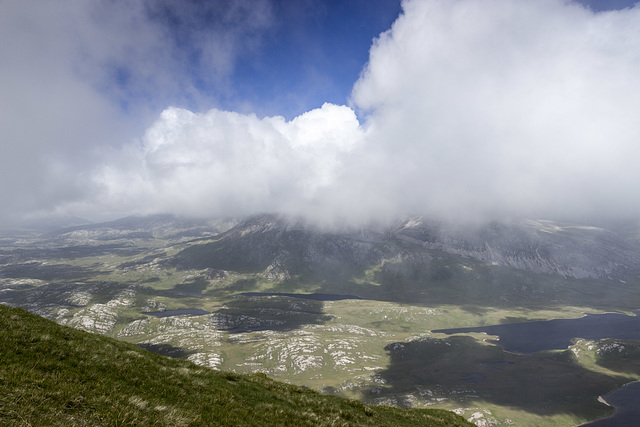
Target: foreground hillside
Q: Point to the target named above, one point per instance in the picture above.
(55, 375)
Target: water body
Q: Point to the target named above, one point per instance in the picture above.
(626, 401)
(316, 297)
(178, 312)
(531, 337)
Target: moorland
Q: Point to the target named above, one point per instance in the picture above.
(356, 313)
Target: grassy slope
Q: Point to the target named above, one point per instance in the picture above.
(54, 375)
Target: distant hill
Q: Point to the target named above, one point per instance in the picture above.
(423, 261)
(563, 249)
(55, 375)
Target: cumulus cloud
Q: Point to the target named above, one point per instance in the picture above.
(78, 78)
(469, 109)
(225, 163)
(473, 110)
(506, 107)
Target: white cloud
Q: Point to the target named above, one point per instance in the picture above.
(472, 109)
(225, 163)
(79, 77)
(50, 120)
(506, 107)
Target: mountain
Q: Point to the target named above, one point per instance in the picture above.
(54, 375)
(359, 313)
(425, 261)
(151, 226)
(569, 250)
(277, 244)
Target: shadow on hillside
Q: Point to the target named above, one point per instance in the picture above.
(195, 285)
(257, 312)
(386, 269)
(422, 280)
(475, 286)
(460, 368)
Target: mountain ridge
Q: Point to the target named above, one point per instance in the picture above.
(568, 250)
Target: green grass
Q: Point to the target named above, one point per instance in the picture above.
(406, 298)
(53, 375)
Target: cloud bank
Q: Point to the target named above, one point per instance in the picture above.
(468, 110)
(507, 107)
(78, 78)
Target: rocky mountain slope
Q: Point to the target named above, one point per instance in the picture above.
(416, 257)
(569, 250)
(271, 242)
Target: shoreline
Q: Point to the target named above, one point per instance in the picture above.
(617, 409)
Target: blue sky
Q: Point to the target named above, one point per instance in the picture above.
(336, 110)
(292, 58)
(304, 54)
(600, 5)
(313, 55)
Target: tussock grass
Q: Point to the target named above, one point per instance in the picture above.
(53, 375)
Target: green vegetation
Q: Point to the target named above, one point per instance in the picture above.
(53, 375)
(376, 347)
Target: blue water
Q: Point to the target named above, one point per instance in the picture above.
(531, 337)
(626, 401)
(316, 297)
